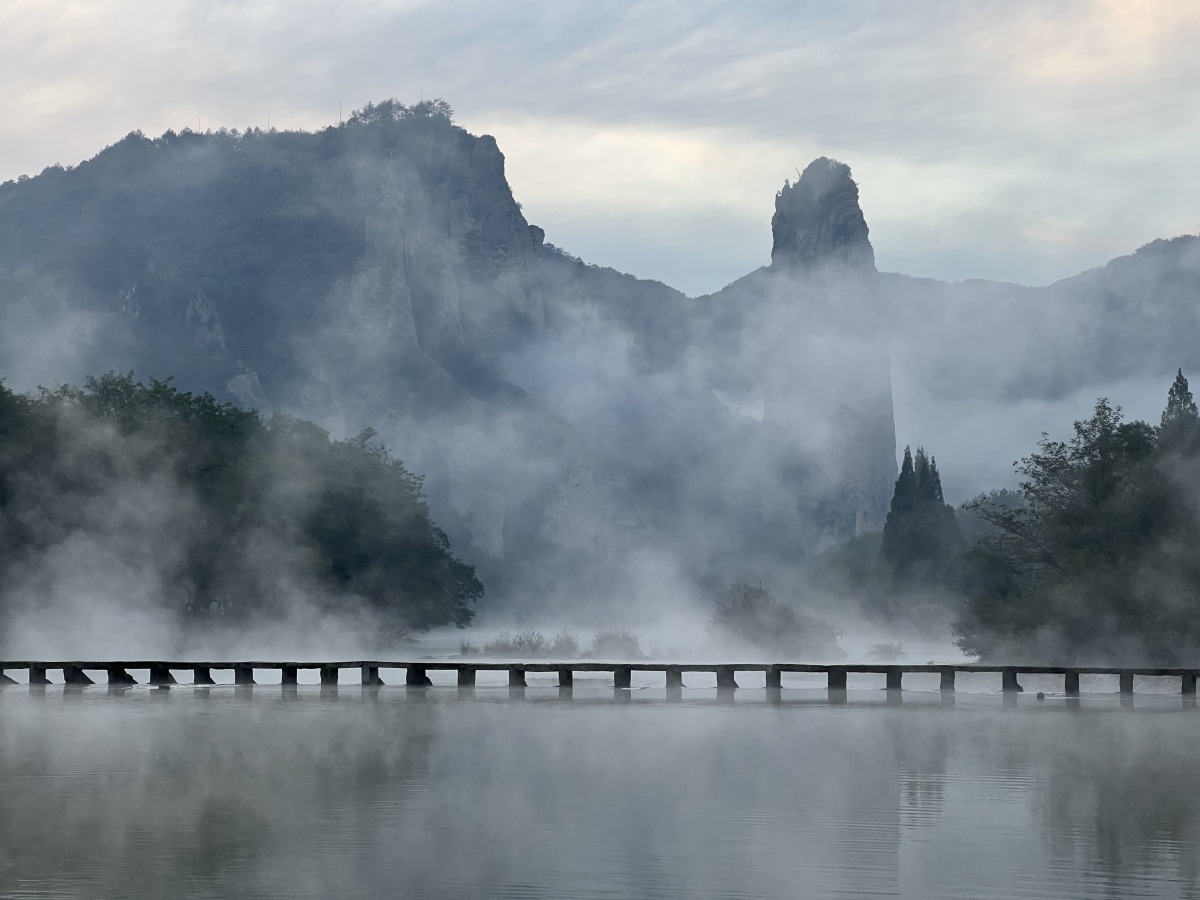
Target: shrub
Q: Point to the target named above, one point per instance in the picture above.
(749, 612)
(622, 644)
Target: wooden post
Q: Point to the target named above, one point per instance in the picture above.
(774, 679)
(1071, 683)
(243, 674)
(947, 685)
(1008, 681)
(622, 677)
(516, 678)
(329, 676)
(290, 676)
(837, 678)
(1188, 683)
(725, 678)
(161, 675)
(895, 678)
(466, 677)
(1125, 680)
(566, 677)
(74, 675)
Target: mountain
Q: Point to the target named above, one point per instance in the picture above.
(569, 420)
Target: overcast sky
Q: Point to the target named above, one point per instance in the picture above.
(1022, 140)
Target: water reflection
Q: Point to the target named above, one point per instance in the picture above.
(533, 792)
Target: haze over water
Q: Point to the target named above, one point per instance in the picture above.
(216, 793)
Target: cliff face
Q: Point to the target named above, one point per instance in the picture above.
(819, 325)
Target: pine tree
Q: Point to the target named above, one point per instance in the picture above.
(1180, 429)
(921, 539)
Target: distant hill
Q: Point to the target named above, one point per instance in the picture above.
(566, 417)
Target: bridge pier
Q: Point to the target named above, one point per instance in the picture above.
(1188, 683)
(1125, 682)
(243, 675)
(774, 678)
(117, 675)
(674, 678)
(329, 676)
(289, 675)
(622, 678)
(725, 679)
(516, 678)
(837, 679)
(201, 675)
(1071, 683)
(466, 677)
(75, 676)
(160, 675)
(947, 683)
(566, 677)
(414, 676)
(895, 678)
(1008, 681)
(37, 674)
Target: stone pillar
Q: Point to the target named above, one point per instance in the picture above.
(466, 677)
(516, 678)
(414, 676)
(725, 678)
(566, 677)
(774, 678)
(947, 685)
(895, 678)
(622, 677)
(243, 674)
(37, 674)
(290, 675)
(837, 678)
(74, 675)
(1071, 683)
(1008, 681)
(1125, 680)
(1188, 683)
(117, 675)
(329, 676)
(160, 675)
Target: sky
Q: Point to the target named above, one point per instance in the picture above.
(1017, 140)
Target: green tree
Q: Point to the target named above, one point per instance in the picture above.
(921, 541)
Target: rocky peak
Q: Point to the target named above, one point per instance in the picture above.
(818, 220)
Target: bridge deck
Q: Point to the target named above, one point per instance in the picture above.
(74, 671)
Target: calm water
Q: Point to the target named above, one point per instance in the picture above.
(185, 793)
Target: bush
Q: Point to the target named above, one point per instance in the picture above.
(623, 644)
(750, 613)
(524, 645)
(565, 645)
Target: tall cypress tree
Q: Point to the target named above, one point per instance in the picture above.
(1180, 429)
(921, 540)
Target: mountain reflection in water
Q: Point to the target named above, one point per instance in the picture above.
(221, 793)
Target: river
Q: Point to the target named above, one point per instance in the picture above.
(193, 793)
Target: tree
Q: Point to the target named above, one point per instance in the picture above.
(1180, 428)
(921, 540)
(1098, 560)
